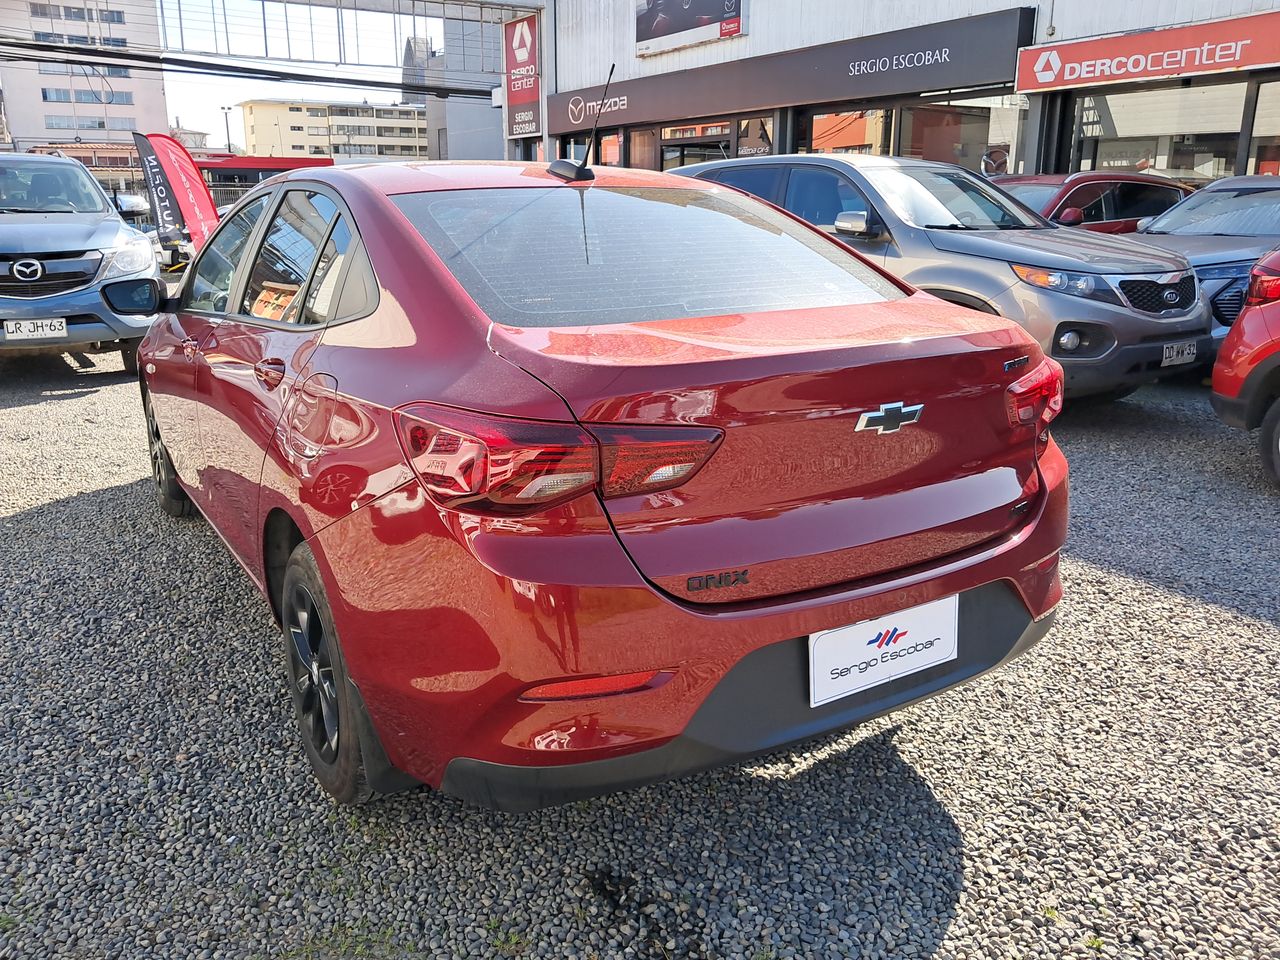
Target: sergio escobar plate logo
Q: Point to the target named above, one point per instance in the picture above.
(849, 659)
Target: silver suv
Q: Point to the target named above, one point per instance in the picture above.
(61, 241)
(1115, 313)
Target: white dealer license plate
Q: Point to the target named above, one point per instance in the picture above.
(1176, 353)
(55, 329)
(848, 660)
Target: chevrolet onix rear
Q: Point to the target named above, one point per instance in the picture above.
(642, 476)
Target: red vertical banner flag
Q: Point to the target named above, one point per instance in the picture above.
(521, 63)
(180, 199)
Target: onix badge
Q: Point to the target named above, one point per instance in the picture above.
(890, 418)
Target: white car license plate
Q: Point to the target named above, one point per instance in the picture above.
(54, 329)
(1176, 353)
(847, 660)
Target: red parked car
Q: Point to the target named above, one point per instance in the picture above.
(1246, 375)
(1096, 200)
(557, 488)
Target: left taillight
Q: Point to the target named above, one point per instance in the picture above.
(1034, 400)
(1264, 286)
(504, 466)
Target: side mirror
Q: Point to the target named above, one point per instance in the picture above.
(1144, 223)
(856, 223)
(133, 298)
(1070, 217)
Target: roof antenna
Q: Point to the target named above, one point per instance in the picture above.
(566, 169)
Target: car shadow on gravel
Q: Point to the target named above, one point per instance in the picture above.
(30, 379)
(1174, 512)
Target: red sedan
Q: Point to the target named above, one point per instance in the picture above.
(1246, 375)
(557, 488)
(1098, 200)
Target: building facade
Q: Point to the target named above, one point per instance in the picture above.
(1188, 90)
(60, 102)
(307, 128)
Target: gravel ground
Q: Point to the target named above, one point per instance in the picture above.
(1115, 793)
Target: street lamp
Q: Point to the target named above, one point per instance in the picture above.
(226, 122)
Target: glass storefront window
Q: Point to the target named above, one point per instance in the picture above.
(850, 131)
(683, 154)
(643, 148)
(1264, 149)
(982, 134)
(694, 131)
(1187, 133)
(608, 152)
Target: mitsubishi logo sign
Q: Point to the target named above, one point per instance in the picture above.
(1047, 66)
(522, 41)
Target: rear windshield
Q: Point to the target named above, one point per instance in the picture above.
(1246, 211)
(559, 256)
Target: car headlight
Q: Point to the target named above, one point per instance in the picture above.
(1076, 284)
(133, 256)
(1225, 271)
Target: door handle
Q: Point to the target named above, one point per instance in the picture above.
(189, 348)
(270, 372)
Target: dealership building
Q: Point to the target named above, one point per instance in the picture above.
(1053, 87)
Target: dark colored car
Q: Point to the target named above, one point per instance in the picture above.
(1096, 200)
(558, 488)
(1246, 376)
(1116, 314)
(1223, 228)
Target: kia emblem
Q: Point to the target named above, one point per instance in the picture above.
(1170, 296)
(27, 270)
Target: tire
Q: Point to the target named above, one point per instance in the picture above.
(324, 705)
(129, 354)
(172, 499)
(1269, 443)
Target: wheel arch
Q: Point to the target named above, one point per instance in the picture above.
(280, 537)
(961, 299)
(1262, 387)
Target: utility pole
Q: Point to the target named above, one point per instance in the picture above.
(226, 122)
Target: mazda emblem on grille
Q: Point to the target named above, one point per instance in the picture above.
(27, 270)
(890, 418)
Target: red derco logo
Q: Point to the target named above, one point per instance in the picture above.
(1235, 44)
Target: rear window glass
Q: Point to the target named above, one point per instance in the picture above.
(560, 256)
(1034, 195)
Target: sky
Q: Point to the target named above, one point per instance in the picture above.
(310, 38)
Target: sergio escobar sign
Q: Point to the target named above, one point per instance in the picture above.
(1240, 43)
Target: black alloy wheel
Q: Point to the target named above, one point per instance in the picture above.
(172, 499)
(315, 691)
(326, 706)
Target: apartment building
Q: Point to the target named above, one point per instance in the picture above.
(58, 102)
(306, 128)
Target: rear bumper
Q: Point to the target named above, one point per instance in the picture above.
(761, 705)
(1127, 366)
(1233, 411)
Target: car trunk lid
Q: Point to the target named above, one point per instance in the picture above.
(820, 478)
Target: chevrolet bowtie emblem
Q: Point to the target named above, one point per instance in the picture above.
(891, 417)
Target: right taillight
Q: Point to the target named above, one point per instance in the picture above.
(503, 466)
(1264, 286)
(1032, 401)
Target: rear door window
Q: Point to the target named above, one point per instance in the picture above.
(757, 180)
(1133, 201)
(566, 256)
(286, 256)
(819, 195)
(343, 286)
(215, 271)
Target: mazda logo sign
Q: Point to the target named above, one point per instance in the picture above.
(27, 270)
(577, 110)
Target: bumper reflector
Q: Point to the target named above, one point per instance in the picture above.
(595, 686)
